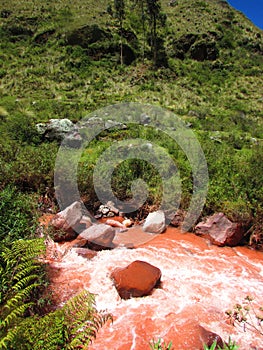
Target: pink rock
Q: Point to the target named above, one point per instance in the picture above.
(114, 223)
(64, 222)
(136, 280)
(97, 237)
(220, 230)
(155, 222)
(67, 218)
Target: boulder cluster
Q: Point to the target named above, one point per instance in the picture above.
(88, 236)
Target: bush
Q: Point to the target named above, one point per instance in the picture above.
(18, 214)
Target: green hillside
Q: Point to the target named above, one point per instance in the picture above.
(61, 59)
(201, 60)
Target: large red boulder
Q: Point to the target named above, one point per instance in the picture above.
(136, 280)
(220, 230)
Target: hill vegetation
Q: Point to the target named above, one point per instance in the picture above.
(202, 60)
(199, 59)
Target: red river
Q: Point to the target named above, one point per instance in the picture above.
(200, 282)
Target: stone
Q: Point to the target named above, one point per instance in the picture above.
(155, 222)
(87, 35)
(112, 207)
(98, 236)
(65, 221)
(178, 218)
(145, 119)
(114, 223)
(55, 129)
(73, 139)
(204, 50)
(86, 220)
(63, 236)
(220, 230)
(136, 280)
(199, 47)
(86, 253)
(114, 124)
(127, 222)
(208, 338)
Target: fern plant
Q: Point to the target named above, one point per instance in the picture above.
(71, 327)
(21, 275)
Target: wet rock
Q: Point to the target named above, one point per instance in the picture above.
(220, 230)
(65, 220)
(62, 236)
(78, 242)
(98, 236)
(155, 222)
(114, 223)
(209, 337)
(86, 253)
(136, 280)
(127, 222)
(178, 218)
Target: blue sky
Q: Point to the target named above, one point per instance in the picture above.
(253, 9)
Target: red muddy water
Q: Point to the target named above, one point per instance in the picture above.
(200, 282)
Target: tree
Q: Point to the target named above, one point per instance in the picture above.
(155, 17)
(119, 7)
(142, 6)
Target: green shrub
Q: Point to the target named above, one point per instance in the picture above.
(18, 214)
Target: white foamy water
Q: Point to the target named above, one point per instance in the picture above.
(199, 283)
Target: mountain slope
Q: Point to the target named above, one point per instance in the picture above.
(61, 59)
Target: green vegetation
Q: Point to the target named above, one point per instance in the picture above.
(23, 326)
(231, 345)
(53, 67)
(160, 345)
(61, 59)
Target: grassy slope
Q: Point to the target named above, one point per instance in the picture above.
(222, 99)
(45, 73)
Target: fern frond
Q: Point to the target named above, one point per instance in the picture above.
(14, 314)
(20, 296)
(8, 339)
(19, 278)
(24, 282)
(83, 319)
